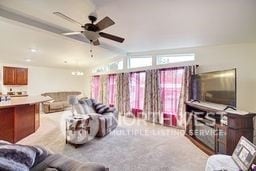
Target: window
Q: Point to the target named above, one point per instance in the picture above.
(167, 59)
(136, 62)
(171, 84)
(95, 87)
(111, 89)
(137, 90)
(100, 69)
(116, 66)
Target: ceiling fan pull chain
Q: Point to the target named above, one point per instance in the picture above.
(91, 48)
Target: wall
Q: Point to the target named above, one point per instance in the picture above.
(212, 58)
(42, 79)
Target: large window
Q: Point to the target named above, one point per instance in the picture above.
(174, 58)
(171, 84)
(141, 61)
(137, 90)
(111, 89)
(95, 87)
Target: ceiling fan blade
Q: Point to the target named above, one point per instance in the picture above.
(111, 37)
(96, 42)
(72, 33)
(104, 23)
(59, 14)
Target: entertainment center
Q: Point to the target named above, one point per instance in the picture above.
(213, 123)
(215, 130)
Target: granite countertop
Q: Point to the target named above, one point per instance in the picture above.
(16, 101)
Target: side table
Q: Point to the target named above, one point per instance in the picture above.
(77, 129)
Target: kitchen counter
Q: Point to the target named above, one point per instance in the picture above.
(20, 117)
(22, 95)
(16, 101)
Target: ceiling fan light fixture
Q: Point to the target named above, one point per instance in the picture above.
(93, 31)
(93, 17)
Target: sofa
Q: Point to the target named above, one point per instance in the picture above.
(59, 102)
(58, 162)
(34, 158)
(108, 118)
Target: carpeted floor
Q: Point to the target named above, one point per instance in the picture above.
(133, 146)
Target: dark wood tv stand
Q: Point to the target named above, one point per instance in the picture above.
(207, 131)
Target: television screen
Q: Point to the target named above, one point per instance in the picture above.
(216, 87)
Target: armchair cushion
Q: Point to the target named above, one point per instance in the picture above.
(221, 162)
(56, 105)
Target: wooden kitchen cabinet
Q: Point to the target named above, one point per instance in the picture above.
(21, 77)
(9, 75)
(15, 76)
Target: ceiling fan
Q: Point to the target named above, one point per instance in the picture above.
(92, 31)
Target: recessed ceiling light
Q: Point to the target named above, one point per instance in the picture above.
(33, 50)
(28, 60)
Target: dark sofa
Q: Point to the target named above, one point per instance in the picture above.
(59, 162)
(15, 157)
(108, 120)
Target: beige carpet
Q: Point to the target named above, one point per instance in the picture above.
(133, 146)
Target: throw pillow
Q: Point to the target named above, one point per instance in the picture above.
(19, 157)
(110, 109)
(103, 109)
(96, 104)
(93, 101)
(89, 102)
(99, 106)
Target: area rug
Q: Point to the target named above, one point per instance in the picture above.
(134, 146)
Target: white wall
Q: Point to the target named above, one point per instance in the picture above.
(240, 56)
(42, 79)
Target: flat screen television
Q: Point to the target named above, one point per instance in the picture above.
(216, 87)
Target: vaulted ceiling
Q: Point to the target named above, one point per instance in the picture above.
(145, 25)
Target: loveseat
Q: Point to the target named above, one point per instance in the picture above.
(59, 102)
(107, 116)
(24, 158)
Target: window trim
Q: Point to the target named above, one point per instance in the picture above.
(126, 63)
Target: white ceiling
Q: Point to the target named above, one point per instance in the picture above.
(145, 25)
(167, 24)
(43, 9)
(53, 49)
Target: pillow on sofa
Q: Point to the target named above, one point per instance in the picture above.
(98, 107)
(93, 101)
(103, 109)
(110, 109)
(19, 157)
